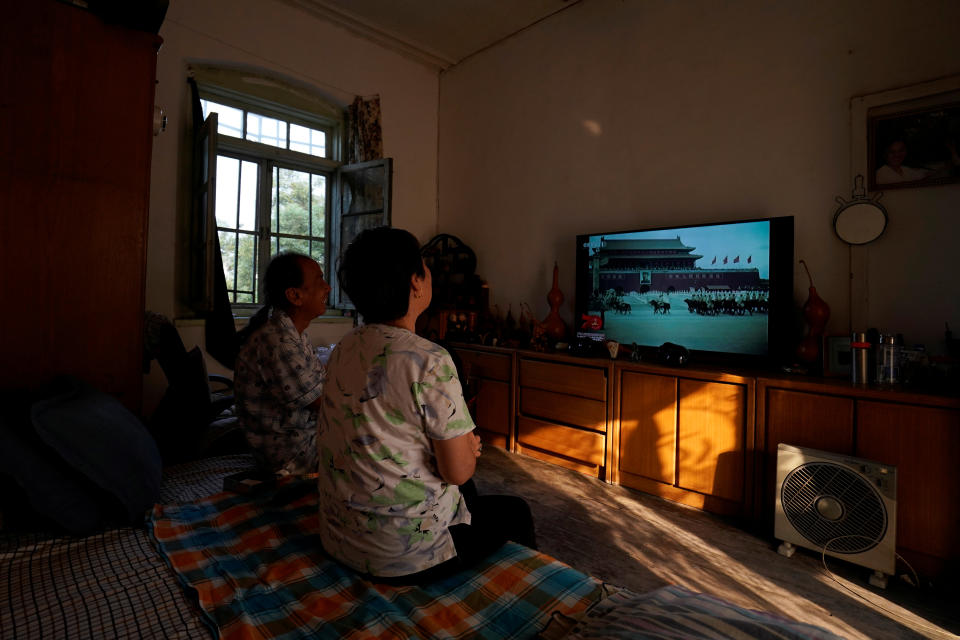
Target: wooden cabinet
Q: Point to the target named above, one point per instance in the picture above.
(490, 375)
(648, 429)
(708, 437)
(77, 110)
(687, 438)
(919, 434)
(924, 444)
(804, 419)
(563, 413)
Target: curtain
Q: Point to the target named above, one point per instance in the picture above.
(364, 137)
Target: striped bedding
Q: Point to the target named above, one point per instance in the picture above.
(676, 613)
(255, 563)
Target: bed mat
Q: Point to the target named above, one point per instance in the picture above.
(254, 562)
(111, 584)
(676, 613)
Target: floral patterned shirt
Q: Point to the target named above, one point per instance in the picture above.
(384, 508)
(276, 376)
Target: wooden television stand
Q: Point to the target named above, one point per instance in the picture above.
(707, 436)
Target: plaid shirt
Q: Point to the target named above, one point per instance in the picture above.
(277, 376)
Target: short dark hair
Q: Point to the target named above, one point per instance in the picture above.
(284, 271)
(375, 272)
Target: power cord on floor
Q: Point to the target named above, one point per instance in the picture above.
(915, 584)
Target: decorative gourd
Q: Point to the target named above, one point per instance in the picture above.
(816, 312)
(554, 325)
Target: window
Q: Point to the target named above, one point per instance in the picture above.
(273, 186)
(267, 177)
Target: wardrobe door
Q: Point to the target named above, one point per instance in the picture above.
(78, 96)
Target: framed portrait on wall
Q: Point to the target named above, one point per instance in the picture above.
(907, 137)
(917, 147)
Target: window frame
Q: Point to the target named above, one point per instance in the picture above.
(204, 286)
(332, 127)
(267, 158)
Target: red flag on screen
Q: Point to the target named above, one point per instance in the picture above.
(714, 260)
(736, 260)
(725, 259)
(748, 259)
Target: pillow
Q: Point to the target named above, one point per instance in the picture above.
(34, 476)
(98, 437)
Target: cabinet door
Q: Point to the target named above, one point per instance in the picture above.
(74, 191)
(808, 420)
(803, 420)
(493, 410)
(711, 429)
(648, 423)
(924, 444)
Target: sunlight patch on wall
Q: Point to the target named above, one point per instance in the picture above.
(593, 127)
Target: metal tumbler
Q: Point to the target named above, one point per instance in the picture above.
(860, 360)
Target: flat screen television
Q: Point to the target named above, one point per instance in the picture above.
(724, 291)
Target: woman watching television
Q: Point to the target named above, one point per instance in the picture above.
(395, 437)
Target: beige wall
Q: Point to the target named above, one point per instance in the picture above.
(273, 36)
(617, 115)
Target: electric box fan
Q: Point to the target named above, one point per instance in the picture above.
(841, 505)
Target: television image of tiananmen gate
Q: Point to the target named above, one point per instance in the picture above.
(706, 287)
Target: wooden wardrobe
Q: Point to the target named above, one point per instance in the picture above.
(76, 112)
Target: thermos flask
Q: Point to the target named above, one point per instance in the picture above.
(860, 361)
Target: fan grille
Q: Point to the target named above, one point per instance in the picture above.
(829, 503)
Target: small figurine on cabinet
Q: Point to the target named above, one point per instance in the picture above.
(539, 340)
(613, 348)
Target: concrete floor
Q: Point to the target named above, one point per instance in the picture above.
(633, 540)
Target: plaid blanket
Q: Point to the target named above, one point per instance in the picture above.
(255, 563)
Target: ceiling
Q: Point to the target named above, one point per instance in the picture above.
(439, 33)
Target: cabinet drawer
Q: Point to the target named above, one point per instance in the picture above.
(587, 382)
(571, 442)
(582, 412)
(476, 364)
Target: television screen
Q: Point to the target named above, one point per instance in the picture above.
(718, 289)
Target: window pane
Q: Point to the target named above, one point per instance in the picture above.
(248, 196)
(273, 201)
(353, 225)
(318, 211)
(228, 175)
(363, 190)
(229, 119)
(317, 252)
(307, 140)
(266, 130)
(300, 245)
(293, 207)
(246, 261)
(228, 251)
